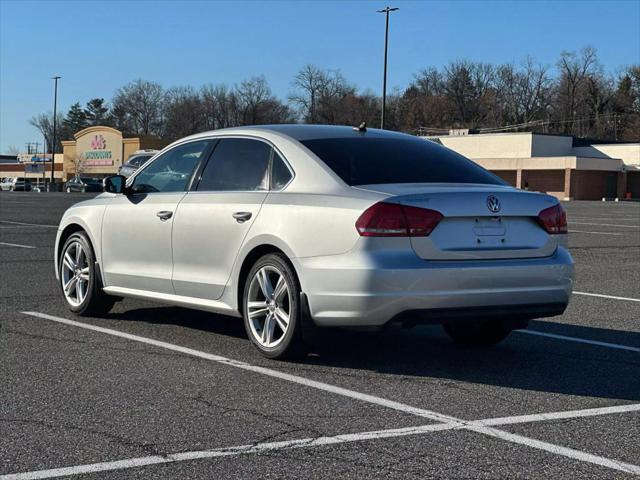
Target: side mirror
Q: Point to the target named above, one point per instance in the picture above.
(114, 184)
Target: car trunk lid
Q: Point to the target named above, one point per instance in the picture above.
(480, 222)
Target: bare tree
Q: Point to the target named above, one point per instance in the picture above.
(522, 92)
(141, 105)
(44, 123)
(183, 112)
(309, 82)
(574, 69)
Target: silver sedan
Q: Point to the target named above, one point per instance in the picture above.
(296, 227)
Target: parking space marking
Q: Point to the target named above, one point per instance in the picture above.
(580, 340)
(29, 224)
(604, 224)
(611, 297)
(16, 245)
(447, 420)
(596, 233)
(478, 426)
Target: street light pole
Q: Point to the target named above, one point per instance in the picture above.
(53, 140)
(386, 11)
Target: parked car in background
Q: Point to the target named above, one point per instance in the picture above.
(293, 227)
(16, 184)
(135, 161)
(83, 184)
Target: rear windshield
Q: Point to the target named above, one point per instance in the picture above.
(366, 161)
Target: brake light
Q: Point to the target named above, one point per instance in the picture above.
(553, 219)
(394, 220)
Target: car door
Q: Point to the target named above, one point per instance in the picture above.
(136, 232)
(214, 217)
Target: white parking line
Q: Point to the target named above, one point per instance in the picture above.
(16, 245)
(596, 233)
(29, 224)
(476, 426)
(604, 224)
(611, 297)
(446, 419)
(580, 340)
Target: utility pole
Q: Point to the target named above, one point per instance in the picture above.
(386, 11)
(53, 140)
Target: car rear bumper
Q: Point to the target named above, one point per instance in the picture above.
(359, 289)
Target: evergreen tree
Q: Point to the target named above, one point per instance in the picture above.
(96, 112)
(75, 120)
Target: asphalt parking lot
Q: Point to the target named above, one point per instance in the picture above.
(154, 391)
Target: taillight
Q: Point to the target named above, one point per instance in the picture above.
(394, 220)
(553, 219)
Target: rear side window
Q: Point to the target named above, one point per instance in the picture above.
(366, 161)
(237, 164)
(280, 174)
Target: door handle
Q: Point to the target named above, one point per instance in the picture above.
(242, 217)
(164, 215)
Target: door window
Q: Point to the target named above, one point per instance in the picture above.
(237, 164)
(171, 171)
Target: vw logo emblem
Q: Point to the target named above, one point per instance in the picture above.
(493, 204)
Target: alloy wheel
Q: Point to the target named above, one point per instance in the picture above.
(268, 306)
(75, 274)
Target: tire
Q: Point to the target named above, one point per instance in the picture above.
(478, 333)
(85, 296)
(277, 342)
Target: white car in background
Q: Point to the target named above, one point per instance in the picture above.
(293, 227)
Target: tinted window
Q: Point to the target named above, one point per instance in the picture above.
(280, 174)
(171, 171)
(137, 161)
(237, 164)
(363, 161)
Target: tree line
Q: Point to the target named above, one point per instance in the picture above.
(577, 98)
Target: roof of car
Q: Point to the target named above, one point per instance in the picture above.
(302, 132)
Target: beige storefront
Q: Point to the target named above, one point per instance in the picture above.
(99, 151)
(563, 166)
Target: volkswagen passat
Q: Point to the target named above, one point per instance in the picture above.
(294, 227)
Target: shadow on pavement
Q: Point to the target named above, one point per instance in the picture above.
(523, 361)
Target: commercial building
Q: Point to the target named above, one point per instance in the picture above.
(99, 151)
(94, 152)
(563, 166)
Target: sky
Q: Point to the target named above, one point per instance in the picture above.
(98, 46)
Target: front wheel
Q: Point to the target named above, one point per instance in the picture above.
(478, 333)
(271, 308)
(79, 281)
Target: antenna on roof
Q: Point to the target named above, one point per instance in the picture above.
(361, 128)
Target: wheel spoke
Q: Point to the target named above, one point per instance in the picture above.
(79, 291)
(281, 288)
(68, 261)
(70, 285)
(257, 309)
(78, 254)
(282, 318)
(265, 283)
(84, 274)
(267, 329)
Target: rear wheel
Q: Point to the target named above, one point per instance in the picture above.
(478, 333)
(271, 308)
(79, 281)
